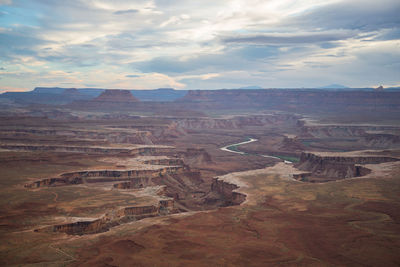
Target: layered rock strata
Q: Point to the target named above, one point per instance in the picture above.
(223, 192)
(337, 166)
(164, 207)
(104, 176)
(144, 150)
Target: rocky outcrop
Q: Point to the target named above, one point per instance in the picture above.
(167, 204)
(376, 137)
(167, 161)
(142, 211)
(135, 183)
(236, 122)
(302, 176)
(338, 167)
(331, 131)
(146, 151)
(127, 214)
(113, 95)
(223, 193)
(128, 174)
(95, 176)
(55, 182)
(83, 227)
(58, 148)
(196, 157)
(136, 151)
(381, 141)
(112, 136)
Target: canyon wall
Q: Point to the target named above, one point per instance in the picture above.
(339, 167)
(135, 151)
(103, 176)
(235, 122)
(377, 137)
(224, 191)
(115, 137)
(58, 148)
(135, 183)
(164, 207)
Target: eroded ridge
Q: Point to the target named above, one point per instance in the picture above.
(114, 218)
(169, 182)
(328, 166)
(224, 193)
(96, 176)
(132, 150)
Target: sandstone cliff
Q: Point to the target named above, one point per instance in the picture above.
(94, 176)
(223, 193)
(127, 214)
(337, 166)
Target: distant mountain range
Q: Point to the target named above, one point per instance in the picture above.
(334, 86)
(331, 86)
(60, 96)
(160, 94)
(251, 87)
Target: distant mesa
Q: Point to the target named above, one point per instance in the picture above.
(113, 95)
(380, 88)
(251, 87)
(333, 86)
(49, 90)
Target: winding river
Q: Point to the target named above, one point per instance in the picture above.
(233, 149)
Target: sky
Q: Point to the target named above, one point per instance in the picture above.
(207, 44)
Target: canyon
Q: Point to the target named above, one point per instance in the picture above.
(216, 178)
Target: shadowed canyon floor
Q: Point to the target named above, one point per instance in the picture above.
(109, 188)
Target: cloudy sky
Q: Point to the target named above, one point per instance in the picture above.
(207, 44)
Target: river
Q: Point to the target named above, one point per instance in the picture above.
(233, 149)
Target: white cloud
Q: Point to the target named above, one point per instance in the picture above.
(204, 43)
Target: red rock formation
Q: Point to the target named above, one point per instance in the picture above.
(135, 183)
(55, 182)
(302, 176)
(60, 148)
(115, 96)
(237, 122)
(141, 211)
(338, 167)
(145, 151)
(83, 227)
(196, 157)
(222, 192)
(105, 176)
(169, 161)
(115, 218)
(167, 204)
